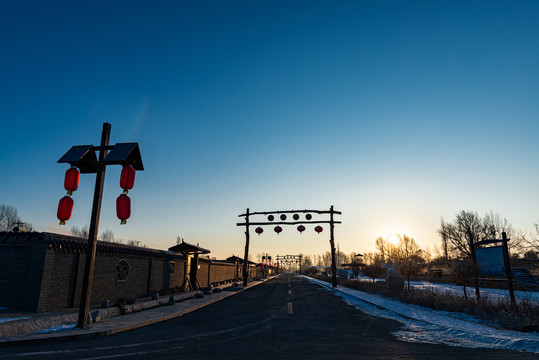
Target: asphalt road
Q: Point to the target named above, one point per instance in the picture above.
(287, 317)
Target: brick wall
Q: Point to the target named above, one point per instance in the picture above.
(44, 272)
(18, 274)
(221, 272)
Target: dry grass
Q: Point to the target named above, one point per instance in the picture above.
(500, 313)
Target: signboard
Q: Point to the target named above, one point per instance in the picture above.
(490, 261)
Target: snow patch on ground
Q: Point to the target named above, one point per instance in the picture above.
(470, 290)
(56, 328)
(457, 290)
(436, 327)
(4, 320)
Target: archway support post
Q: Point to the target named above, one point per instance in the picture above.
(246, 256)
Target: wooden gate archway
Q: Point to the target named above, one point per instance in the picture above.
(296, 220)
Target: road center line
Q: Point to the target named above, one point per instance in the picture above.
(290, 310)
(289, 292)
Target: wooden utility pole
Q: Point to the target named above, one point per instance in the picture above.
(84, 157)
(93, 231)
(507, 264)
(246, 256)
(332, 242)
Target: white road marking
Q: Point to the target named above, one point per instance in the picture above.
(289, 292)
(290, 310)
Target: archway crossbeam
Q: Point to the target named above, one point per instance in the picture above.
(288, 222)
(290, 212)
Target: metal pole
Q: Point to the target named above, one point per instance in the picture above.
(94, 227)
(332, 242)
(508, 269)
(246, 256)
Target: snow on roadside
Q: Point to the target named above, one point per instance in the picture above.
(56, 328)
(434, 327)
(457, 290)
(470, 290)
(4, 320)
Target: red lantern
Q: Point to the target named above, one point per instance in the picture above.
(123, 208)
(71, 180)
(278, 229)
(301, 228)
(127, 178)
(259, 230)
(318, 229)
(65, 209)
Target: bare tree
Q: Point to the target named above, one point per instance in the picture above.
(445, 244)
(469, 228)
(530, 243)
(374, 270)
(494, 226)
(107, 235)
(326, 259)
(409, 256)
(466, 229)
(80, 232)
(9, 217)
(464, 270)
(383, 247)
(307, 262)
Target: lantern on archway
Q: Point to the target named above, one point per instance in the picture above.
(123, 208)
(71, 180)
(65, 209)
(259, 230)
(318, 229)
(278, 229)
(127, 178)
(301, 228)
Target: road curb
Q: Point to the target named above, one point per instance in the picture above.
(89, 334)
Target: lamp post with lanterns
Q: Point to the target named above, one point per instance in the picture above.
(296, 220)
(83, 159)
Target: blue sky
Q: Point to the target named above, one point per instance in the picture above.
(397, 113)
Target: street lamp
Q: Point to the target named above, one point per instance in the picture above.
(84, 158)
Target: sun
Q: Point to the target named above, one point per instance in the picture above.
(393, 239)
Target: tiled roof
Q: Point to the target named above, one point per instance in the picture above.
(73, 244)
(187, 248)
